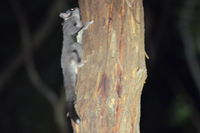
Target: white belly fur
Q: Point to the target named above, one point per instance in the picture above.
(74, 66)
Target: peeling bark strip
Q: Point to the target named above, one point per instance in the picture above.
(104, 84)
(111, 82)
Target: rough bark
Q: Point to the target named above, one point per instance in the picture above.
(110, 83)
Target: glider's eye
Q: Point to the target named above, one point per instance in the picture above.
(72, 9)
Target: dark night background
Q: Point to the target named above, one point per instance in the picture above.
(171, 95)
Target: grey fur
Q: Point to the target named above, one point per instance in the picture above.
(72, 56)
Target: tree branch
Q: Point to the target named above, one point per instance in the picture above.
(31, 70)
(188, 40)
(38, 38)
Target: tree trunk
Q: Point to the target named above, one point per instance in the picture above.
(111, 81)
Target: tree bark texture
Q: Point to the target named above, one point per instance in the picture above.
(111, 81)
